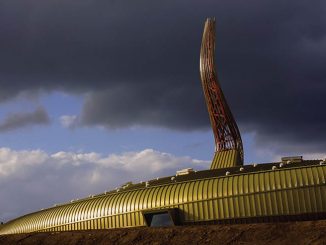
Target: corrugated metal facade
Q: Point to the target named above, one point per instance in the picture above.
(281, 192)
(226, 159)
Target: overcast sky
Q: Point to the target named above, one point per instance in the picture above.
(96, 92)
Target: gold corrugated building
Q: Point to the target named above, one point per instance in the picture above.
(230, 192)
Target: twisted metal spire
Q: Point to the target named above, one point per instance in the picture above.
(226, 132)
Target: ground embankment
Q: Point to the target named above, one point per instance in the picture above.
(307, 232)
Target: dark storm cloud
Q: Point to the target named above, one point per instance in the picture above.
(138, 61)
(24, 119)
(161, 107)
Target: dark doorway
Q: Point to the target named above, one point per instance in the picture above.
(160, 218)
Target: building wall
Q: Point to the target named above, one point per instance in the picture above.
(292, 191)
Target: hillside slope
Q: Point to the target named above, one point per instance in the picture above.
(307, 232)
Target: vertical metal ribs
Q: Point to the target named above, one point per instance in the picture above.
(226, 132)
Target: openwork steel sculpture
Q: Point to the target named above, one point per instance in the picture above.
(293, 189)
(228, 143)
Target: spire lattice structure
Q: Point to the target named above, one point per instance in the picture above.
(228, 143)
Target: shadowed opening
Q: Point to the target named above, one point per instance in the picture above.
(161, 218)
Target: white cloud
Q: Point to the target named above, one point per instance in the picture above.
(75, 159)
(14, 162)
(31, 180)
(69, 121)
